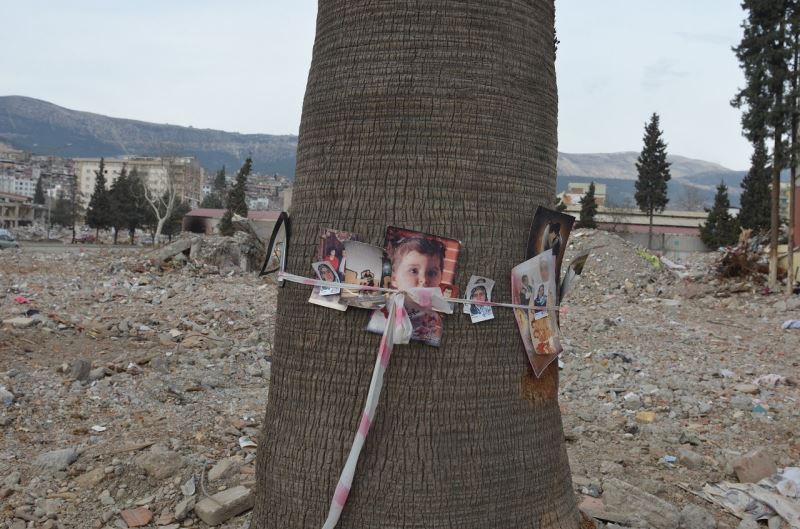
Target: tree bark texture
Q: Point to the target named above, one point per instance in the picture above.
(438, 116)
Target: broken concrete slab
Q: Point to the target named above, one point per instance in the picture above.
(754, 466)
(624, 498)
(225, 505)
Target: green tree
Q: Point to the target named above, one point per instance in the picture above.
(220, 181)
(61, 213)
(653, 171)
(122, 202)
(216, 198)
(560, 206)
(99, 213)
(755, 200)
(212, 201)
(400, 139)
(588, 209)
(765, 54)
(38, 194)
(720, 229)
(237, 199)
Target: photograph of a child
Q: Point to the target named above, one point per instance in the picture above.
(539, 331)
(550, 231)
(479, 289)
(331, 251)
(419, 260)
(325, 272)
(364, 265)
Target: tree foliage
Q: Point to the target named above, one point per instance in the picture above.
(216, 198)
(237, 199)
(61, 212)
(755, 200)
(38, 194)
(720, 229)
(588, 209)
(99, 213)
(653, 170)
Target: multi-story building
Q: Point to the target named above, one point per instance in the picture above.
(575, 191)
(185, 173)
(17, 185)
(20, 171)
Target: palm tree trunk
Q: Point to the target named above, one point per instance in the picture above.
(437, 116)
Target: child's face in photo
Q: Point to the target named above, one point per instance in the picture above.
(327, 274)
(417, 270)
(541, 290)
(525, 280)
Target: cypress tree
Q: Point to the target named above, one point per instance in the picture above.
(237, 199)
(216, 198)
(121, 202)
(755, 201)
(212, 201)
(720, 229)
(765, 54)
(588, 209)
(653, 170)
(38, 194)
(220, 182)
(61, 215)
(98, 214)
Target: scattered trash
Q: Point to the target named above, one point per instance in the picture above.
(98, 428)
(791, 324)
(22, 300)
(770, 497)
(669, 459)
(246, 442)
(6, 396)
(188, 488)
(771, 381)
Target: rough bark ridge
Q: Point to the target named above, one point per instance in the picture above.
(438, 116)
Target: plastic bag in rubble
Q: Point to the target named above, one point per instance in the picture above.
(791, 324)
(773, 496)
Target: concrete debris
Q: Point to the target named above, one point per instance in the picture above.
(58, 459)
(670, 374)
(754, 466)
(225, 505)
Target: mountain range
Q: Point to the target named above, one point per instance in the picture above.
(41, 127)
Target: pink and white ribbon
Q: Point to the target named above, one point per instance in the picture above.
(398, 330)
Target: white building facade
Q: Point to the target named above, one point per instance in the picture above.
(186, 173)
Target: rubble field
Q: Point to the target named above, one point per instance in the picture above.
(132, 390)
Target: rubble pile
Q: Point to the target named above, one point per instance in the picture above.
(669, 381)
(133, 382)
(128, 388)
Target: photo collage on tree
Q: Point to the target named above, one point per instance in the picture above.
(411, 260)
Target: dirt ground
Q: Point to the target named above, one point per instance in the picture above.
(139, 378)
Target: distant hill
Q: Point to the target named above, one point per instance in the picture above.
(41, 127)
(618, 172)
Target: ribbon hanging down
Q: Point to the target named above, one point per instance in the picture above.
(398, 330)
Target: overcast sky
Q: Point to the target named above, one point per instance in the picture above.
(241, 65)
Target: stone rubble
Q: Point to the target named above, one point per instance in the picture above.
(129, 389)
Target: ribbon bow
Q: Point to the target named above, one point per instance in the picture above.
(398, 330)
